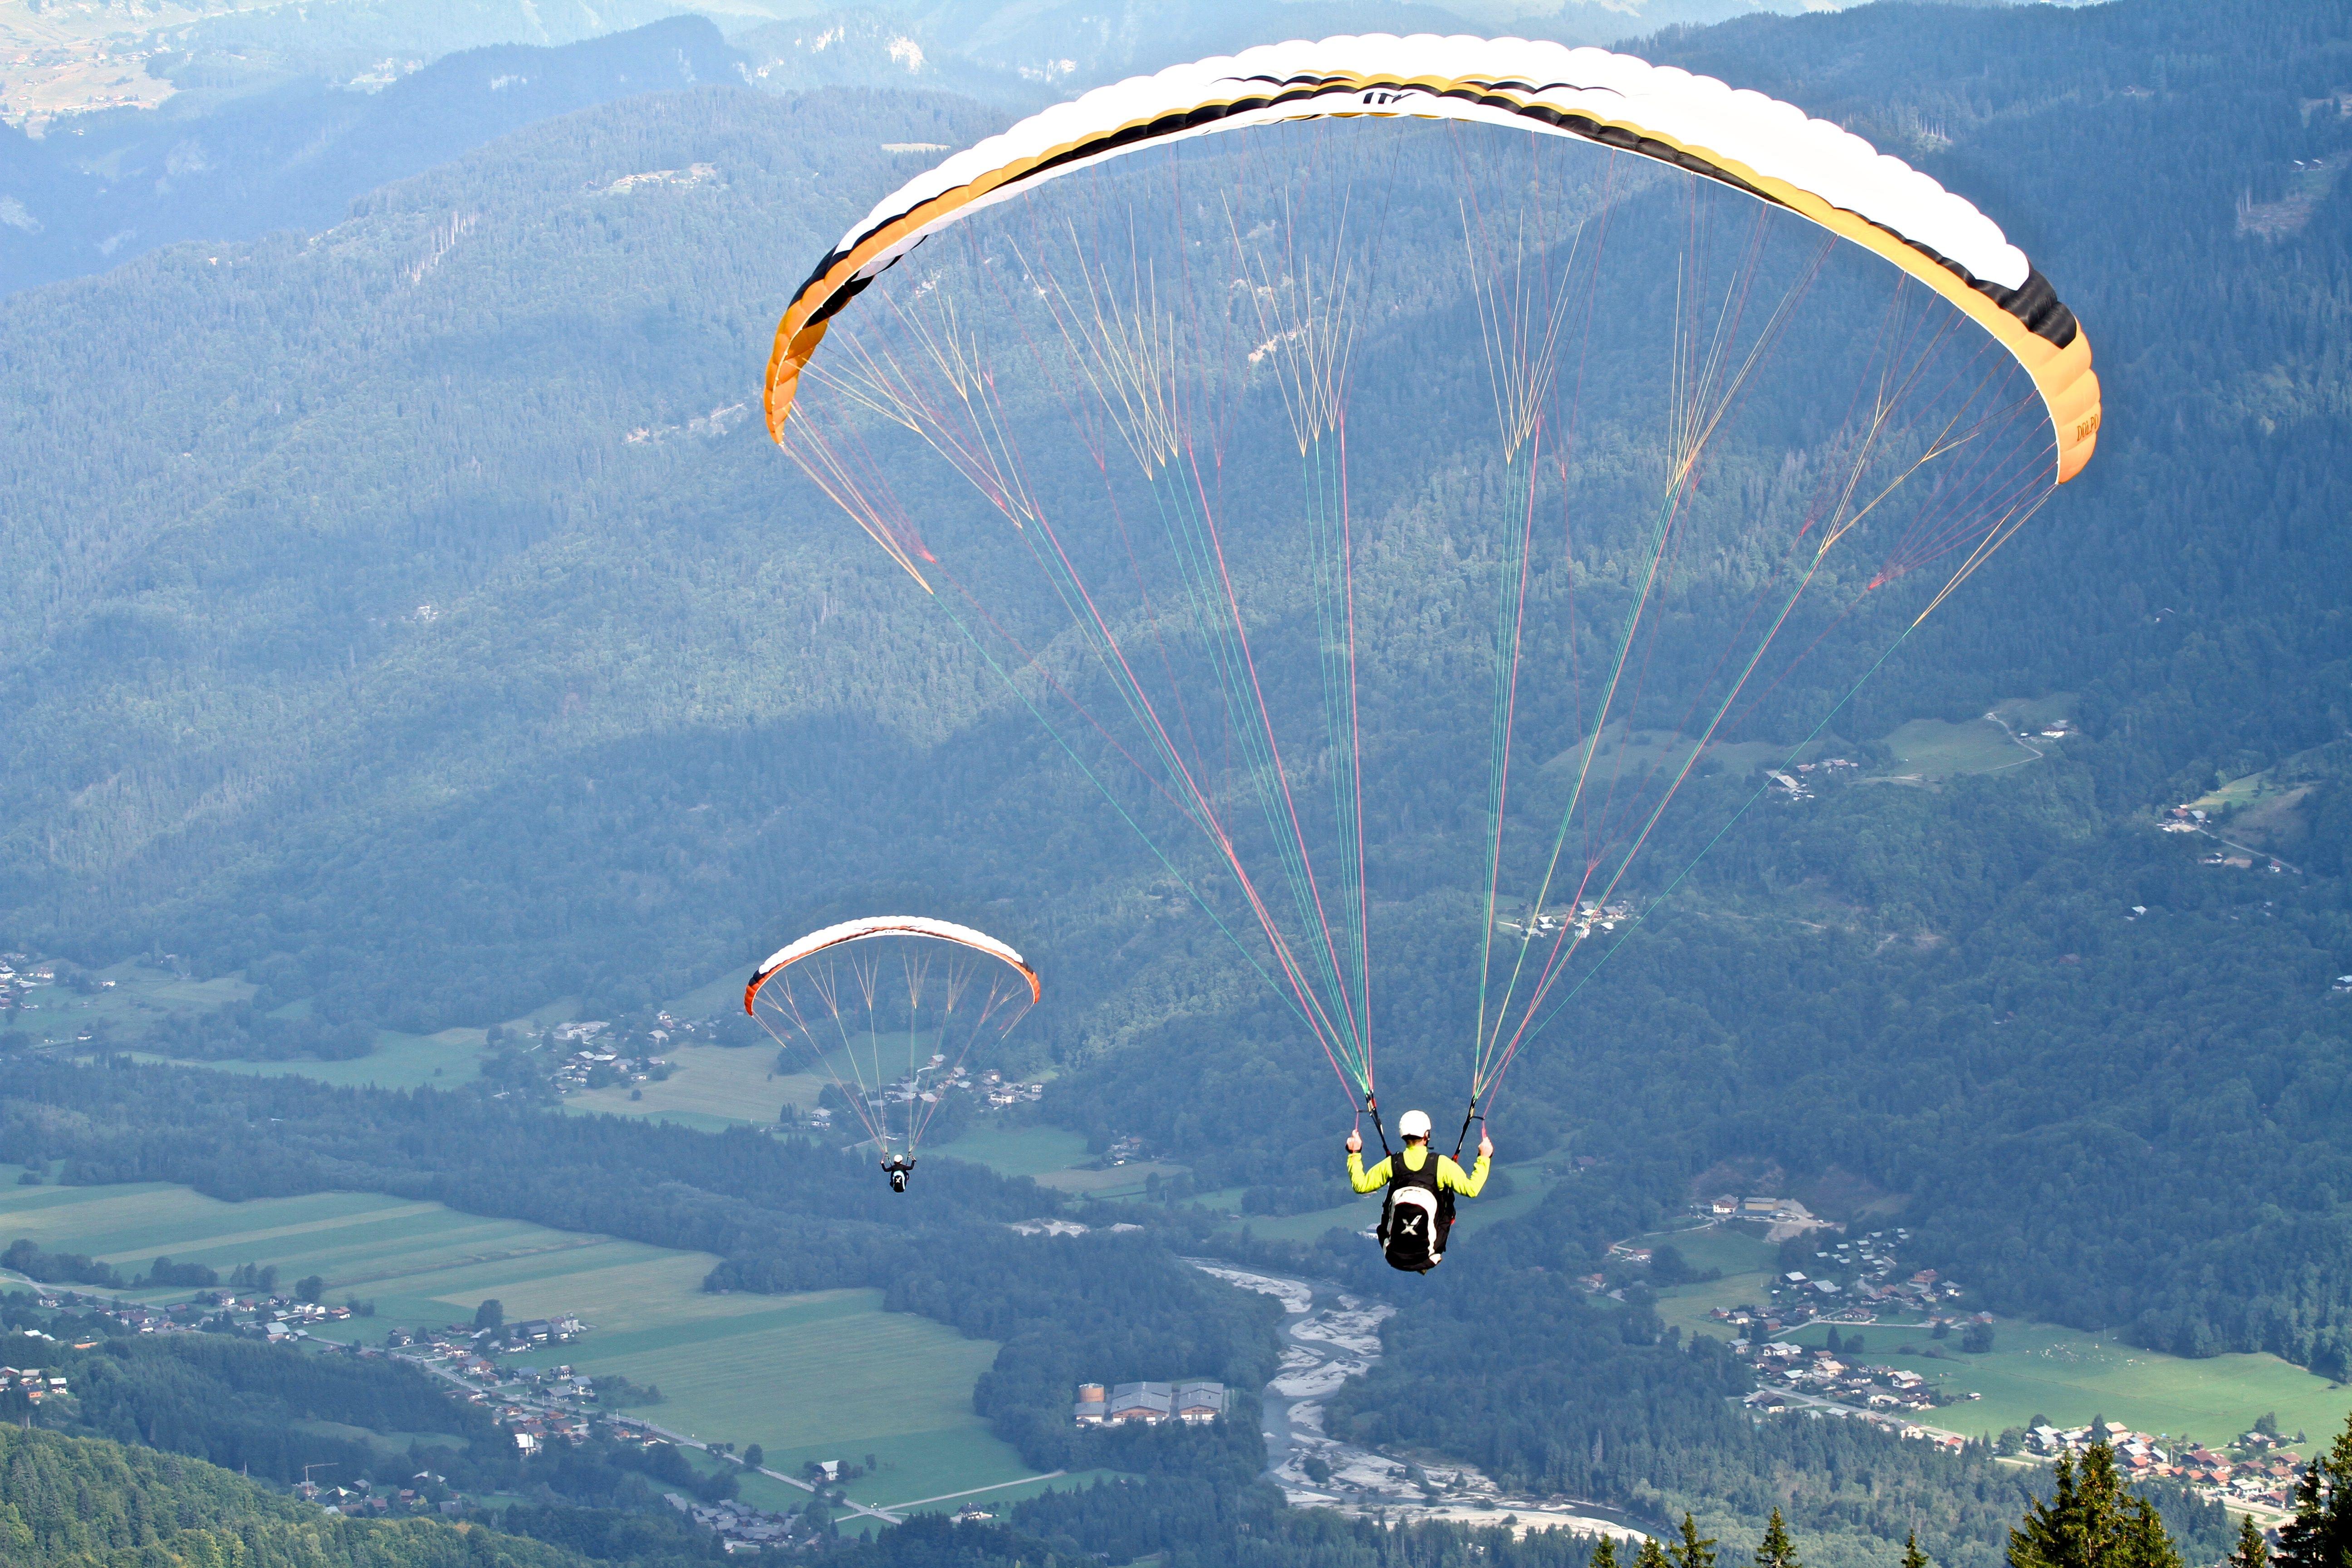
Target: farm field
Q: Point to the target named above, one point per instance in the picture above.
(1686, 1307)
(710, 1087)
(1054, 1157)
(1746, 1262)
(1926, 750)
(2071, 1376)
(139, 998)
(825, 1375)
(1929, 749)
(1621, 751)
(1036, 1150)
(398, 1062)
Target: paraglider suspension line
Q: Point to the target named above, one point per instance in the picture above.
(1373, 1106)
(1468, 1116)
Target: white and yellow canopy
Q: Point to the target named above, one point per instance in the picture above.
(1771, 150)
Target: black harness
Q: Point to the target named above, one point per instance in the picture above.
(1402, 1177)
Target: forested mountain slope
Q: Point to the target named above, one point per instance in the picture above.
(94, 196)
(413, 616)
(84, 1502)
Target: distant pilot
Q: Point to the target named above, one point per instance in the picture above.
(898, 1170)
(1418, 1212)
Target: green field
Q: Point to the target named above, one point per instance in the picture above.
(1628, 754)
(826, 1375)
(711, 1087)
(1034, 1150)
(136, 999)
(1747, 1261)
(2070, 1376)
(1926, 750)
(398, 1062)
(1054, 1157)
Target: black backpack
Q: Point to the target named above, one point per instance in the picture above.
(1416, 1217)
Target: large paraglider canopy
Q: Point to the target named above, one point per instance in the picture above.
(1436, 514)
(1768, 149)
(886, 1009)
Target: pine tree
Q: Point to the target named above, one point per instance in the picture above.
(1651, 1555)
(1777, 1551)
(1912, 1556)
(2252, 1551)
(1691, 1551)
(2320, 1534)
(1604, 1553)
(2091, 1522)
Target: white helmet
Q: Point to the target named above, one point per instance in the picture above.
(1413, 1124)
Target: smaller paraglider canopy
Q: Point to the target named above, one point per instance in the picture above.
(872, 926)
(886, 1009)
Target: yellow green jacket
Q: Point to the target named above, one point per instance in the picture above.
(1449, 1174)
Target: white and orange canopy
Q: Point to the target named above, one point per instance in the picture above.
(872, 926)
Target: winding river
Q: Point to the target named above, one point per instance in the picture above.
(1329, 1336)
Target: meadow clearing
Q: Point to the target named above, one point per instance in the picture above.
(1055, 1157)
(2070, 1376)
(710, 1087)
(2033, 1369)
(828, 1374)
(1926, 750)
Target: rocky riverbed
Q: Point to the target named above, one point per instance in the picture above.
(1329, 1335)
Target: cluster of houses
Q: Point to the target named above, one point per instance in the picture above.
(924, 1085)
(21, 976)
(595, 1062)
(934, 1081)
(2238, 862)
(1584, 916)
(2191, 819)
(1148, 1403)
(560, 1330)
(362, 1498)
(1857, 1282)
(740, 1527)
(1000, 1094)
(273, 1318)
(33, 1383)
(17, 986)
(2250, 1472)
(536, 1407)
(277, 1317)
(1879, 1388)
(1796, 785)
(533, 1429)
